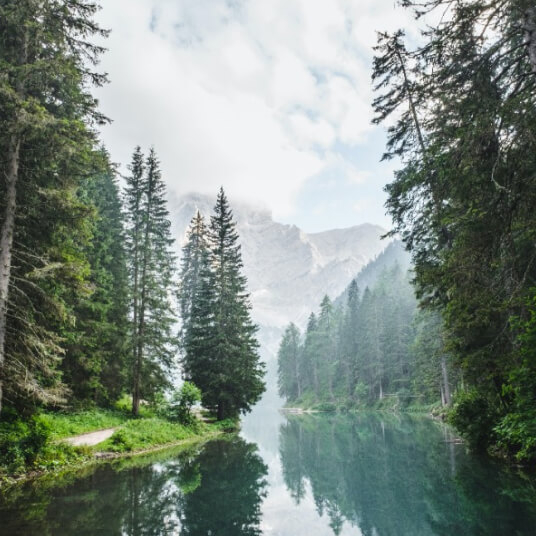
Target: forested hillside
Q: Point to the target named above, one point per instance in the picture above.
(375, 350)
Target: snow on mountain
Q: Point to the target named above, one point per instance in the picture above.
(288, 270)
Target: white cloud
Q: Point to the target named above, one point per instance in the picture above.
(253, 95)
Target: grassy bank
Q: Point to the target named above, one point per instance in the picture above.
(35, 446)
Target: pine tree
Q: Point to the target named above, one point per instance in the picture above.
(152, 267)
(193, 254)
(46, 143)
(463, 199)
(134, 195)
(221, 349)
(94, 366)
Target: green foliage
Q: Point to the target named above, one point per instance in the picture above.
(140, 434)
(221, 349)
(151, 264)
(475, 417)
(21, 442)
(377, 351)
(48, 117)
(463, 200)
(182, 400)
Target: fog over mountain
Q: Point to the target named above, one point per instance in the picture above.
(288, 270)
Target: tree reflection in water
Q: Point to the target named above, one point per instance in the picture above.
(216, 490)
(391, 475)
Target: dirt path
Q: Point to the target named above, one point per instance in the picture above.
(93, 438)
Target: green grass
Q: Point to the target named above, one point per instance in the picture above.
(34, 445)
(70, 424)
(143, 434)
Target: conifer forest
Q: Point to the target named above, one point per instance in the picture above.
(290, 365)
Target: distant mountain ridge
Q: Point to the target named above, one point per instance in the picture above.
(288, 270)
(394, 253)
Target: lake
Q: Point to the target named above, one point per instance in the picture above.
(366, 474)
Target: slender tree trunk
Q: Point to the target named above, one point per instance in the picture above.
(530, 33)
(445, 376)
(221, 410)
(6, 246)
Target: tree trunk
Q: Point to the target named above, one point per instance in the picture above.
(6, 246)
(221, 410)
(530, 33)
(445, 376)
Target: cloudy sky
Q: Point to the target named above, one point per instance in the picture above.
(269, 98)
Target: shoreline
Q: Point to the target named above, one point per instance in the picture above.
(101, 457)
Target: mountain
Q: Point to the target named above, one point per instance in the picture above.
(394, 253)
(288, 270)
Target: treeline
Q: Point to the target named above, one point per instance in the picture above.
(375, 349)
(464, 110)
(89, 286)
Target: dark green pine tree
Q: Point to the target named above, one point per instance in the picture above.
(133, 197)
(95, 361)
(152, 269)
(193, 255)
(221, 355)
(47, 140)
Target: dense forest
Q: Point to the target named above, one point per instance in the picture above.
(90, 291)
(461, 114)
(376, 349)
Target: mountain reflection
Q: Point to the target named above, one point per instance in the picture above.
(393, 475)
(217, 490)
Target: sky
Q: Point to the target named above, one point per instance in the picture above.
(270, 99)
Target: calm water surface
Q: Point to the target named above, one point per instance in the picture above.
(373, 475)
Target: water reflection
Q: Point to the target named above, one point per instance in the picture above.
(217, 490)
(393, 475)
(371, 475)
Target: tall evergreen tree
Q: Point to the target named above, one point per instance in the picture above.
(221, 349)
(193, 255)
(95, 365)
(463, 199)
(134, 195)
(46, 140)
(152, 279)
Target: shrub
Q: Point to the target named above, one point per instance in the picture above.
(180, 406)
(473, 417)
(21, 442)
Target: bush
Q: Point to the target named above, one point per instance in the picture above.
(473, 417)
(180, 406)
(516, 435)
(21, 442)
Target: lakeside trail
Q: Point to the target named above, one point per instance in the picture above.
(90, 439)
